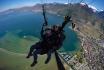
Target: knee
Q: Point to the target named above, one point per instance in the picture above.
(34, 53)
(32, 47)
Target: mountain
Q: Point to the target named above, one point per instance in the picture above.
(94, 9)
(81, 13)
(101, 14)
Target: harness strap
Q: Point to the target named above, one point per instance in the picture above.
(45, 20)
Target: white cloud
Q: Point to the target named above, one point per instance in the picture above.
(65, 3)
(101, 10)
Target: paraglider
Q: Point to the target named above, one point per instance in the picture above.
(51, 39)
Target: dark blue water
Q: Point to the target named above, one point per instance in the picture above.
(29, 23)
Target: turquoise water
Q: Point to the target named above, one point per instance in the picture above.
(29, 23)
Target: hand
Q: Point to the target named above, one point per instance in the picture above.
(67, 18)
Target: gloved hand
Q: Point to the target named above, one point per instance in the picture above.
(67, 18)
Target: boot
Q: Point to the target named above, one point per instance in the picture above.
(29, 55)
(34, 63)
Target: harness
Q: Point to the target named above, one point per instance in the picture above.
(56, 39)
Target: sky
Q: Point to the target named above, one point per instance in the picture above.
(8, 4)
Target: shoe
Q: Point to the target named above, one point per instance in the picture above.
(34, 63)
(29, 55)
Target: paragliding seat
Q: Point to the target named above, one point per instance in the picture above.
(44, 47)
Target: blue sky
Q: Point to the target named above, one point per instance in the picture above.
(6, 4)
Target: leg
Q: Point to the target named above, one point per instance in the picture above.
(49, 56)
(35, 56)
(31, 51)
(32, 48)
